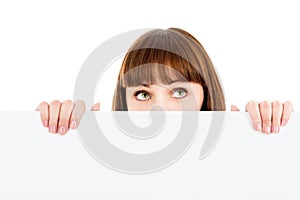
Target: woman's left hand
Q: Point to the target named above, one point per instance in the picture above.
(267, 117)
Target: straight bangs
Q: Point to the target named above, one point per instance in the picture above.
(165, 56)
(149, 66)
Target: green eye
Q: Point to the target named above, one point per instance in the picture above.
(142, 96)
(179, 93)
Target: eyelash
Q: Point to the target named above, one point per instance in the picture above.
(178, 89)
(144, 91)
(139, 92)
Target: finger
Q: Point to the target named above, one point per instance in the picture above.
(77, 113)
(64, 116)
(287, 111)
(252, 108)
(43, 108)
(96, 107)
(234, 108)
(54, 114)
(266, 115)
(276, 116)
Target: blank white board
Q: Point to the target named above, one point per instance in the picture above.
(243, 165)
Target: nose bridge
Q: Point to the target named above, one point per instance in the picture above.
(162, 95)
(161, 99)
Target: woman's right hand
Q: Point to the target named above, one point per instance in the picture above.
(59, 117)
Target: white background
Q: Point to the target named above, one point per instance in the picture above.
(253, 44)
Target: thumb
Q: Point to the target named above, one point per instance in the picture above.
(234, 108)
(96, 107)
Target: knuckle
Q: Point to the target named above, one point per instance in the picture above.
(252, 103)
(288, 103)
(285, 118)
(265, 104)
(52, 122)
(257, 121)
(81, 104)
(267, 121)
(68, 102)
(276, 119)
(44, 116)
(55, 103)
(276, 123)
(276, 103)
(289, 106)
(63, 121)
(44, 103)
(79, 101)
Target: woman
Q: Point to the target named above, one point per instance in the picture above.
(170, 70)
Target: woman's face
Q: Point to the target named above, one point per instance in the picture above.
(177, 96)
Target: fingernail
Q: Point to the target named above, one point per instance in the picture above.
(267, 130)
(53, 129)
(258, 127)
(283, 122)
(62, 130)
(73, 124)
(45, 123)
(275, 129)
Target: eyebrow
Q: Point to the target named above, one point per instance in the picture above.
(172, 82)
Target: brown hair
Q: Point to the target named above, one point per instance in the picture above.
(180, 52)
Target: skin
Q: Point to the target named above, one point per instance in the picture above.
(173, 97)
(266, 117)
